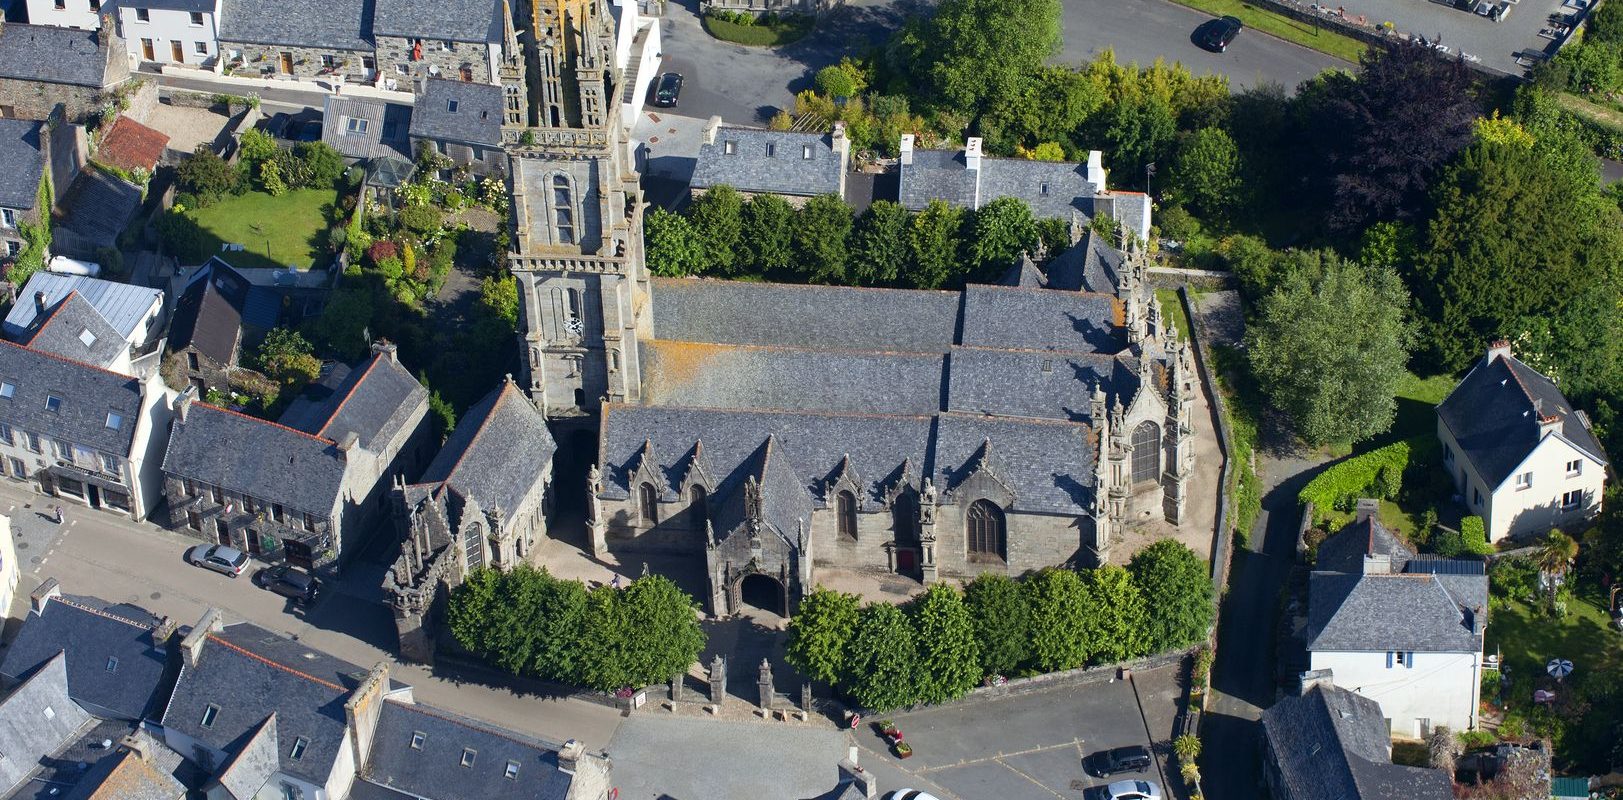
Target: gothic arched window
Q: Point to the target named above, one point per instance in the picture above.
(701, 514)
(1146, 452)
(986, 531)
(648, 504)
(473, 541)
(846, 507)
(563, 210)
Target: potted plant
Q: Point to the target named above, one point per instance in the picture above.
(887, 728)
(904, 750)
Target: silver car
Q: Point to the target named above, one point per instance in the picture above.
(1125, 790)
(228, 561)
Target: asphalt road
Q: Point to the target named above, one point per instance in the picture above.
(746, 85)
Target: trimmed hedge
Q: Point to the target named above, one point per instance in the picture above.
(1378, 473)
(1475, 536)
(757, 33)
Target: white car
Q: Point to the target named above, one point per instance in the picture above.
(911, 794)
(227, 561)
(1125, 790)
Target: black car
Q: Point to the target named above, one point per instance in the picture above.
(668, 90)
(1217, 34)
(1106, 763)
(289, 581)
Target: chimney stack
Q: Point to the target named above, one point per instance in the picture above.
(1497, 348)
(136, 744)
(387, 349)
(364, 705)
(569, 756)
(840, 142)
(1096, 171)
(166, 628)
(191, 647)
(907, 150)
(1311, 678)
(711, 128)
(347, 444)
(42, 596)
(183, 404)
(1365, 509)
(972, 153)
(39, 303)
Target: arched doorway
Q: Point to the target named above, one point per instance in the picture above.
(1146, 452)
(763, 592)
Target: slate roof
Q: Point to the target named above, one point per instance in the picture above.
(1053, 189)
(738, 312)
(254, 762)
(786, 170)
(249, 672)
(321, 24)
(1041, 319)
(123, 305)
(97, 206)
(454, 20)
(374, 400)
(96, 635)
(127, 776)
(1036, 383)
(1024, 273)
(1332, 744)
(500, 450)
(1092, 265)
(1345, 551)
(1494, 415)
(208, 314)
(208, 446)
(434, 771)
(1048, 464)
(386, 127)
(48, 54)
(1131, 209)
(1379, 612)
(86, 394)
(785, 502)
(28, 735)
(22, 162)
(204, 6)
(936, 175)
(129, 145)
(476, 120)
(74, 329)
(733, 376)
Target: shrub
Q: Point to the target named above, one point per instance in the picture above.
(322, 164)
(1447, 543)
(1473, 740)
(206, 176)
(1475, 536)
(1340, 486)
(423, 220)
(381, 249)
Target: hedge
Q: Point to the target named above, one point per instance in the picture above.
(1475, 536)
(1378, 473)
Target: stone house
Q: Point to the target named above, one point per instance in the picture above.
(81, 433)
(362, 129)
(1402, 630)
(346, 439)
(45, 70)
(213, 330)
(24, 151)
(463, 122)
(327, 40)
(480, 503)
(1518, 451)
(466, 40)
(794, 166)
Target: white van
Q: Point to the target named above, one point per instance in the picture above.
(62, 265)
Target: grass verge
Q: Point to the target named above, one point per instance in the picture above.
(772, 34)
(1602, 116)
(1172, 309)
(275, 231)
(1305, 34)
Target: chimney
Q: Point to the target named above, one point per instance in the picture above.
(39, 303)
(907, 150)
(1497, 348)
(1377, 564)
(1311, 678)
(191, 647)
(136, 744)
(972, 153)
(853, 775)
(1365, 509)
(1548, 424)
(183, 404)
(347, 444)
(711, 128)
(362, 708)
(166, 629)
(841, 144)
(569, 756)
(386, 348)
(1096, 171)
(42, 595)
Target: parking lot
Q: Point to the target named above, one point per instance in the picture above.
(1497, 43)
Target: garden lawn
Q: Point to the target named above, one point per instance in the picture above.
(276, 231)
(1302, 33)
(777, 33)
(1172, 309)
(1527, 639)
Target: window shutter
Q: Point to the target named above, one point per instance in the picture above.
(1389, 659)
(1408, 661)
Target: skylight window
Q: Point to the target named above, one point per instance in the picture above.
(512, 770)
(53, 403)
(115, 420)
(299, 746)
(417, 739)
(50, 713)
(468, 755)
(210, 714)
(7, 390)
(112, 664)
(450, 105)
(86, 337)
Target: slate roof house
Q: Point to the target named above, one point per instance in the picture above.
(1327, 743)
(481, 502)
(329, 39)
(222, 313)
(81, 432)
(24, 150)
(1520, 454)
(466, 40)
(362, 129)
(345, 441)
(44, 68)
(55, 317)
(795, 166)
(463, 122)
(1404, 631)
(184, 32)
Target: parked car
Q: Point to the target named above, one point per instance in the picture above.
(1124, 790)
(304, 126)
(289, 581)
(228, 561)
(911, 794)
(1218, 34)
(668, 90)
(1106, 763)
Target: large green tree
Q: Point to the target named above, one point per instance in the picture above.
(1059, 619)
(1116, 614)
(934, 242)
(879, 244)
(1174, 580)
(820, 232)
(1002, 230)
(883, 659)
(1139, 128)
(1206, 173)
(1002, 620)
(718, 218)
(287, 358)
(674, 246)
(666, 635)
(820, 632)
(970, 53)
(1329, 346)
(949, 653)
(769, 233)
(606, 642)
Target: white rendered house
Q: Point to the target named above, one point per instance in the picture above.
(171, 31)
(1520, 455)
(1403, 631)
(81, 14)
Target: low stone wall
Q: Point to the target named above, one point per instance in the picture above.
(463, 667)
(1071, 677)
(1203, 279)
(1370, 32)
(1222, 536)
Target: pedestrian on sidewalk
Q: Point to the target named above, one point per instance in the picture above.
(59, 515)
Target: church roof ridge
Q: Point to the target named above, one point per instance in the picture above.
(607, 407)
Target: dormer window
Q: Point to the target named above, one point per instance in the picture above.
(806, 152)
(53, 403)
(771, 150)
(210, 714)
(1043, 190)
(512, 771)
(299, 746)
(112, 665)
(468, 755)
(355, 125)
(417, 739)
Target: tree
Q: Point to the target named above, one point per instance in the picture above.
(674, 247)
(1003, 230)
(341, 328)
(665, 637)
(820, 632)
(769, 233)
(287, 358)
(1328, 348)
(998, 609)
(718, 219)
(472, 605)
(606, 642)
(1206, 173)
(975, 51)
(423, 220)
(1140, 130)
(820, 231)
(205, 176)
(883, 659)
(934, 241)
(1059, 619)
(949, 653)
(1175, 578)
(1116, 614)
(879, 244)
(322, 164)
(842, 80)
(1555, 554)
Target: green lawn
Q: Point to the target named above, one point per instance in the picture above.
(782, 32)
(1528, 639)
(1303, 33)
(1172, 308)
(290, 229)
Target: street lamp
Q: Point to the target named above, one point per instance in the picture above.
(1149, 171)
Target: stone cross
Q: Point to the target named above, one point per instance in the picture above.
(676, 687)
(718, 680)
(765, 685)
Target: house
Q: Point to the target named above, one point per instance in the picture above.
(181, 32)
(44, 69)
(23, 153)
(115, 326)
(481, 502)
(795, 166)
(80, 14)
(10, 571)
(131, 147)
(1053, 189)
(463, 122)
(328, 40)
(1521, 456)
(466, 40)
(82, 433)
(219, 318)
(347, 439)
(637, 53)
(1327, 743)
(320, 728)
(363, 129)
(1403, 631)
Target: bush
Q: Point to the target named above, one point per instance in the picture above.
(1474, 740)
(1340, 486)
(423, 220)
(182, 237)
(322, 165)
(1474, 537)
(1178, 224)
(206, 176)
